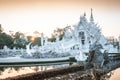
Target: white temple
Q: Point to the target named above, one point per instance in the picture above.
(84, 34)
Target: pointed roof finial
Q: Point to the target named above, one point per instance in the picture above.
(84, 14)
(91, 17)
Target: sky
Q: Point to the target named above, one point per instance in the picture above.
(44, 16)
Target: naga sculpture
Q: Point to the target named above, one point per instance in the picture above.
(96, 58)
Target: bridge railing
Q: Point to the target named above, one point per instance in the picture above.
(114, 56)
(38, 62)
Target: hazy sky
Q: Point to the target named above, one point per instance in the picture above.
(45, 15)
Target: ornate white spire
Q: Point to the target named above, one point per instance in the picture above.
(42, 39)
(84, 14)
(91, 17)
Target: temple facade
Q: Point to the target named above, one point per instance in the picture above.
(84, 34)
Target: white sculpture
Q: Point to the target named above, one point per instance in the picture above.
(5, 49)
(28, 50)
(42, 39)
(45, 40)
(84, 34)
(57, 38)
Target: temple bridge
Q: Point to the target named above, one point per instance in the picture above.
(71, 70)
(36, 62)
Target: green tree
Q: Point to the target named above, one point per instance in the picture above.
(20, 40)
(29, 38)
(6, 39)
(57, 31)
(2, 43)
(1, 29)
(37, 41)
(11, 33)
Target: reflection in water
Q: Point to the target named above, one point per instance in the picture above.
(14, 71)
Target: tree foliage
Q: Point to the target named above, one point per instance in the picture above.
(1, 29)
(59, 32)
(37, 41)
(19, 40)
(6, 39)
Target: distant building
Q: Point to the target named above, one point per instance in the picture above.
(112, 40)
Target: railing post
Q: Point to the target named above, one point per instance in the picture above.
(72, 60)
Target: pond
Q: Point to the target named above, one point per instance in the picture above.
(14, 71)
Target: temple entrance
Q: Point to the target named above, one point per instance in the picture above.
(82, 37)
